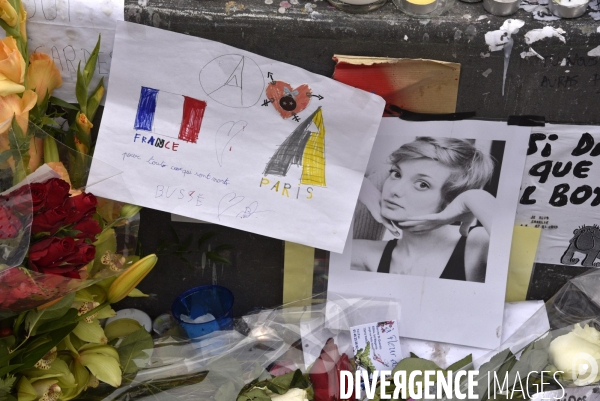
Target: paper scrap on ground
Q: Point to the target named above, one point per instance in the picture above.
(422, 86)
(233, 138)
(560, 193)
(456, 284)
(522, 257)
(68, 30)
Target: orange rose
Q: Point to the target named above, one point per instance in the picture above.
(12, 67)
(8, 13)
(13, 105)
(42, 75)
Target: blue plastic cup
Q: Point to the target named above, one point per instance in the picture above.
(213, 299)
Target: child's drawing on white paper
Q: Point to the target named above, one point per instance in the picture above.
(169, 115)
(233, 80)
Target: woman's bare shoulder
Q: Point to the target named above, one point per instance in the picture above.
(366, 254)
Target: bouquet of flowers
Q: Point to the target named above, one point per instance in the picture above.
(54, 236)
(65, 255)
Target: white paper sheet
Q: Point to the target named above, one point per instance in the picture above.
(560, 193)
(67, 30)
(444, 355)
(229, 156)
(450, 311)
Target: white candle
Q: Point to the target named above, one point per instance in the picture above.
(501, 7)
(568, 8)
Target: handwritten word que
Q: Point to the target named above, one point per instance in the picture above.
(156, 142)
(180, 194)
(285, 188)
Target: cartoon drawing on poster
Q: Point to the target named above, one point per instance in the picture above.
(433, 227)
(194, 139)
(560, 194)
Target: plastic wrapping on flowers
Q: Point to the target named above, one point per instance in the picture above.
(297, 350)
(558, 346)
(56, 238)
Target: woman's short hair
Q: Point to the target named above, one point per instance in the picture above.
(472, 168)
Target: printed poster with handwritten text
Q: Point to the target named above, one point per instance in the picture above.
(211, 132)
(560, 194)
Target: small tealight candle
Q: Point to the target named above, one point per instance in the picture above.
(568, 8)
(501, 8)
(419, 7)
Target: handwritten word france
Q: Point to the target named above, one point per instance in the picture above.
(156, 142)
(563, 194)
(285, 188)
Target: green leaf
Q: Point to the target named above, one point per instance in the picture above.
(7, 369)
(38, 353)
(135, 346)
(185, 245)
(461, 363)
(4, 156)
(35, 318)
(90, 66)
(6, 385)
(174, 233)
(10, 31)
(81, 90)
(19, 134)
(205, 237)
(501, 363)
(94, 100)
(67, 319)
(63, 104)
(215, 257)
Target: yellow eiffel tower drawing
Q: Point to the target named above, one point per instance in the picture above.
(313, 159)
(303, 147)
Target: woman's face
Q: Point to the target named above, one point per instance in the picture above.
(413, 188)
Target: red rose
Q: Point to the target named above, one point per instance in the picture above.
(38, 196)
(50, 251)
(325, 373)
(10, 225)
(88, 228)
(80, 206)
(84, 254)
(57, 191)
(49, 221)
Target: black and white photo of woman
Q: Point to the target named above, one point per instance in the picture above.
(426, 207)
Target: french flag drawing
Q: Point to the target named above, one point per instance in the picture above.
(169, 114)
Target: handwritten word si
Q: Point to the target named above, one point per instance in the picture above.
(285, 188)
(156, 142)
